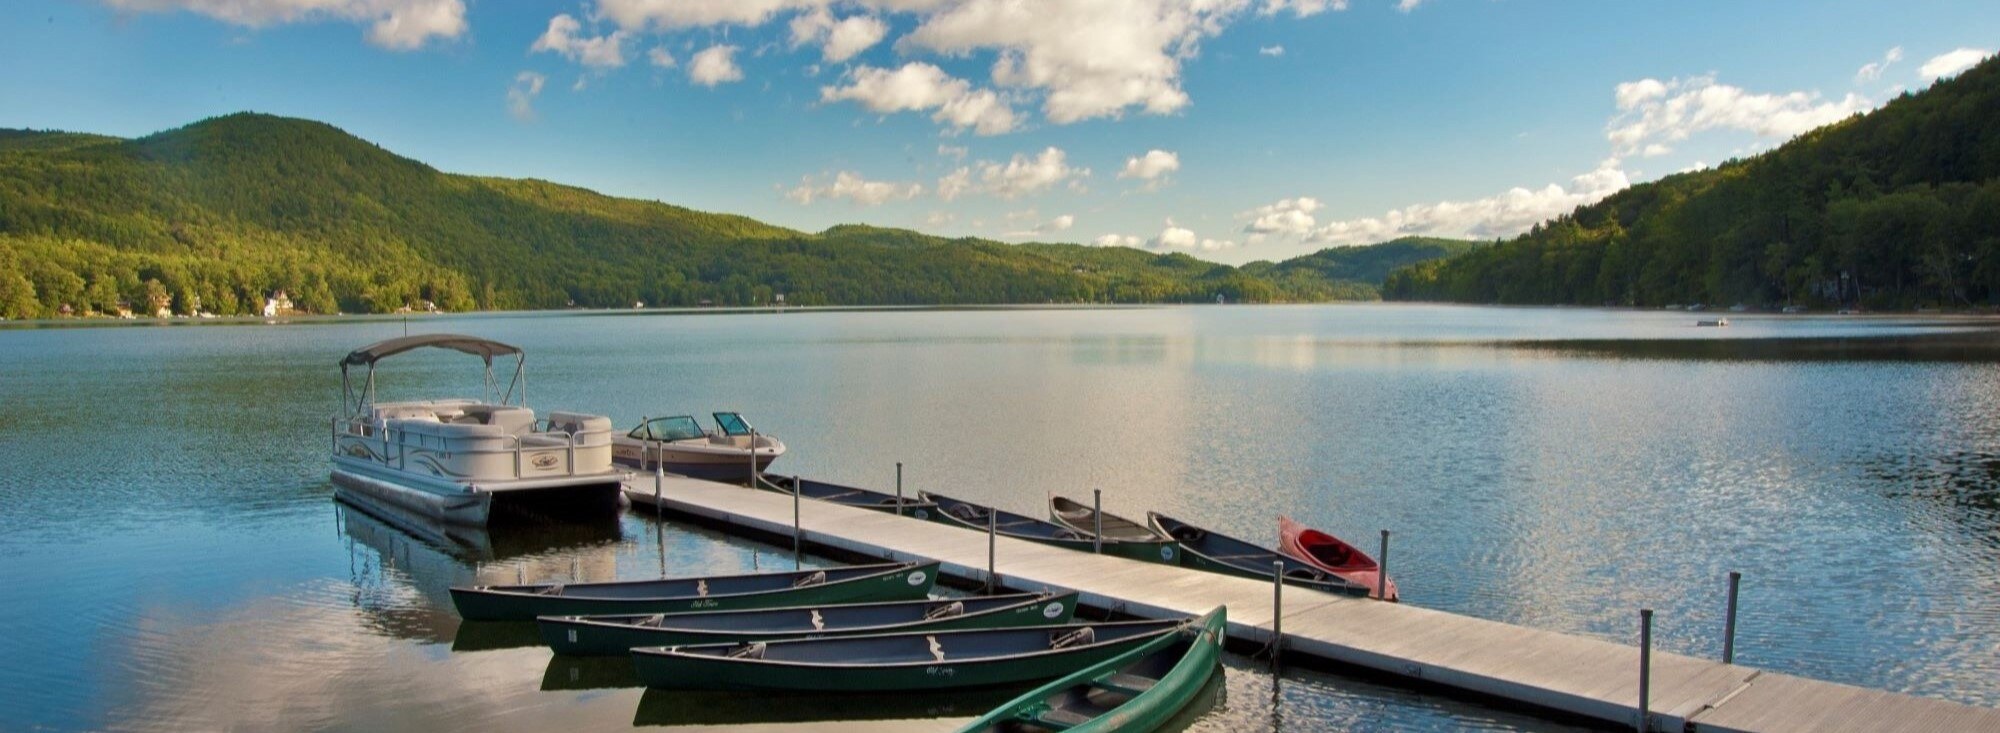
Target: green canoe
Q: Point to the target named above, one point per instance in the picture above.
(917, 661)
(880, 582)
(594, 635)
(1008, 524)
(849, 495)
(1136, 692)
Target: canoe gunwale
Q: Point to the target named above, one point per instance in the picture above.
(885, 569)
(1083, 543)
(1331, 584)
(1021, 600)
(1167, 627)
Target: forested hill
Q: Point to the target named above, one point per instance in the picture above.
(1896, 208)
(223, 211)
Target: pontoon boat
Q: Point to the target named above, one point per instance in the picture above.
(454, 459)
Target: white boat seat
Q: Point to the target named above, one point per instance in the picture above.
(753, 650)
(1066, 639)
(813, 579)
(949, 610)
(550, 590)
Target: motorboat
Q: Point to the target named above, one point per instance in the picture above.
(680, 445)
(455, 460)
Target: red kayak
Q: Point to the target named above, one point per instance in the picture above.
(1328, 553)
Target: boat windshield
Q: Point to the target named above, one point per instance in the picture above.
(732, 423)
(669, 429)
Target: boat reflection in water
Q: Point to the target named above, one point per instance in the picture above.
(404, 589)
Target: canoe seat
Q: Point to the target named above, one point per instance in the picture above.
(1130, 684)
(550, 590)
(963, 511)
(817, 578)
(1060, 719)
(949, 610)
(1067, 639)
(656, 620)
(748, 651)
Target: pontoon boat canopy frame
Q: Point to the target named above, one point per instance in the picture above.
(485, 349)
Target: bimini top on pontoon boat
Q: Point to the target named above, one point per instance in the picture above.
(681, 446)
(449, 459)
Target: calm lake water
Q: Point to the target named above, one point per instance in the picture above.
(175, 560)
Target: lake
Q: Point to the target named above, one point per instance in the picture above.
(176, 560)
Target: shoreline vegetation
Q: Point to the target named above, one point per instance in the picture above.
(252, 214)
(1896, 209)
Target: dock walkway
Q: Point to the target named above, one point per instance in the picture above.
(1577, 675)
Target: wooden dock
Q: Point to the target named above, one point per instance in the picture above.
(1576, 675)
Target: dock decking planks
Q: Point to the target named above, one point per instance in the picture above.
(1578, 675)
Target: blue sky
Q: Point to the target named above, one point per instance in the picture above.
(1229, 129)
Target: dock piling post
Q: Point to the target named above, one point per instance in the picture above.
(1729, 621)
(899, 488)
(753, 458)
(659, 482)
(1645, 667)
(1097, 516)
(798, 535)
(1382, 570)
(992, 547)
(520, 574)
(1277, 611)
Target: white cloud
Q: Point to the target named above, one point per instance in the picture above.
(1058, 224)
(1278, 50)
(1117, 240)
(1873, 69)
(661, 58)
(1152, 166)
(1949, 64)
(852, 187)
(1024, 175)
(840, 39)
(601, 52)
(1288, 217)
(939, 218)
(1089, 59)
(1301, 8)
(1176, 237)
(393, 24)
(1654, 113)
(954, 184)
(953, 152)
(664, 15)
(853, 35)
(1503, 215)
(521, 95)
(918, 86)
(714, 65)
(1408, 5)
(1173, 236)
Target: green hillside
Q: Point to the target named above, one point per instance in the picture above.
(1369, 264)
(223, 211)
(1896, 208)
